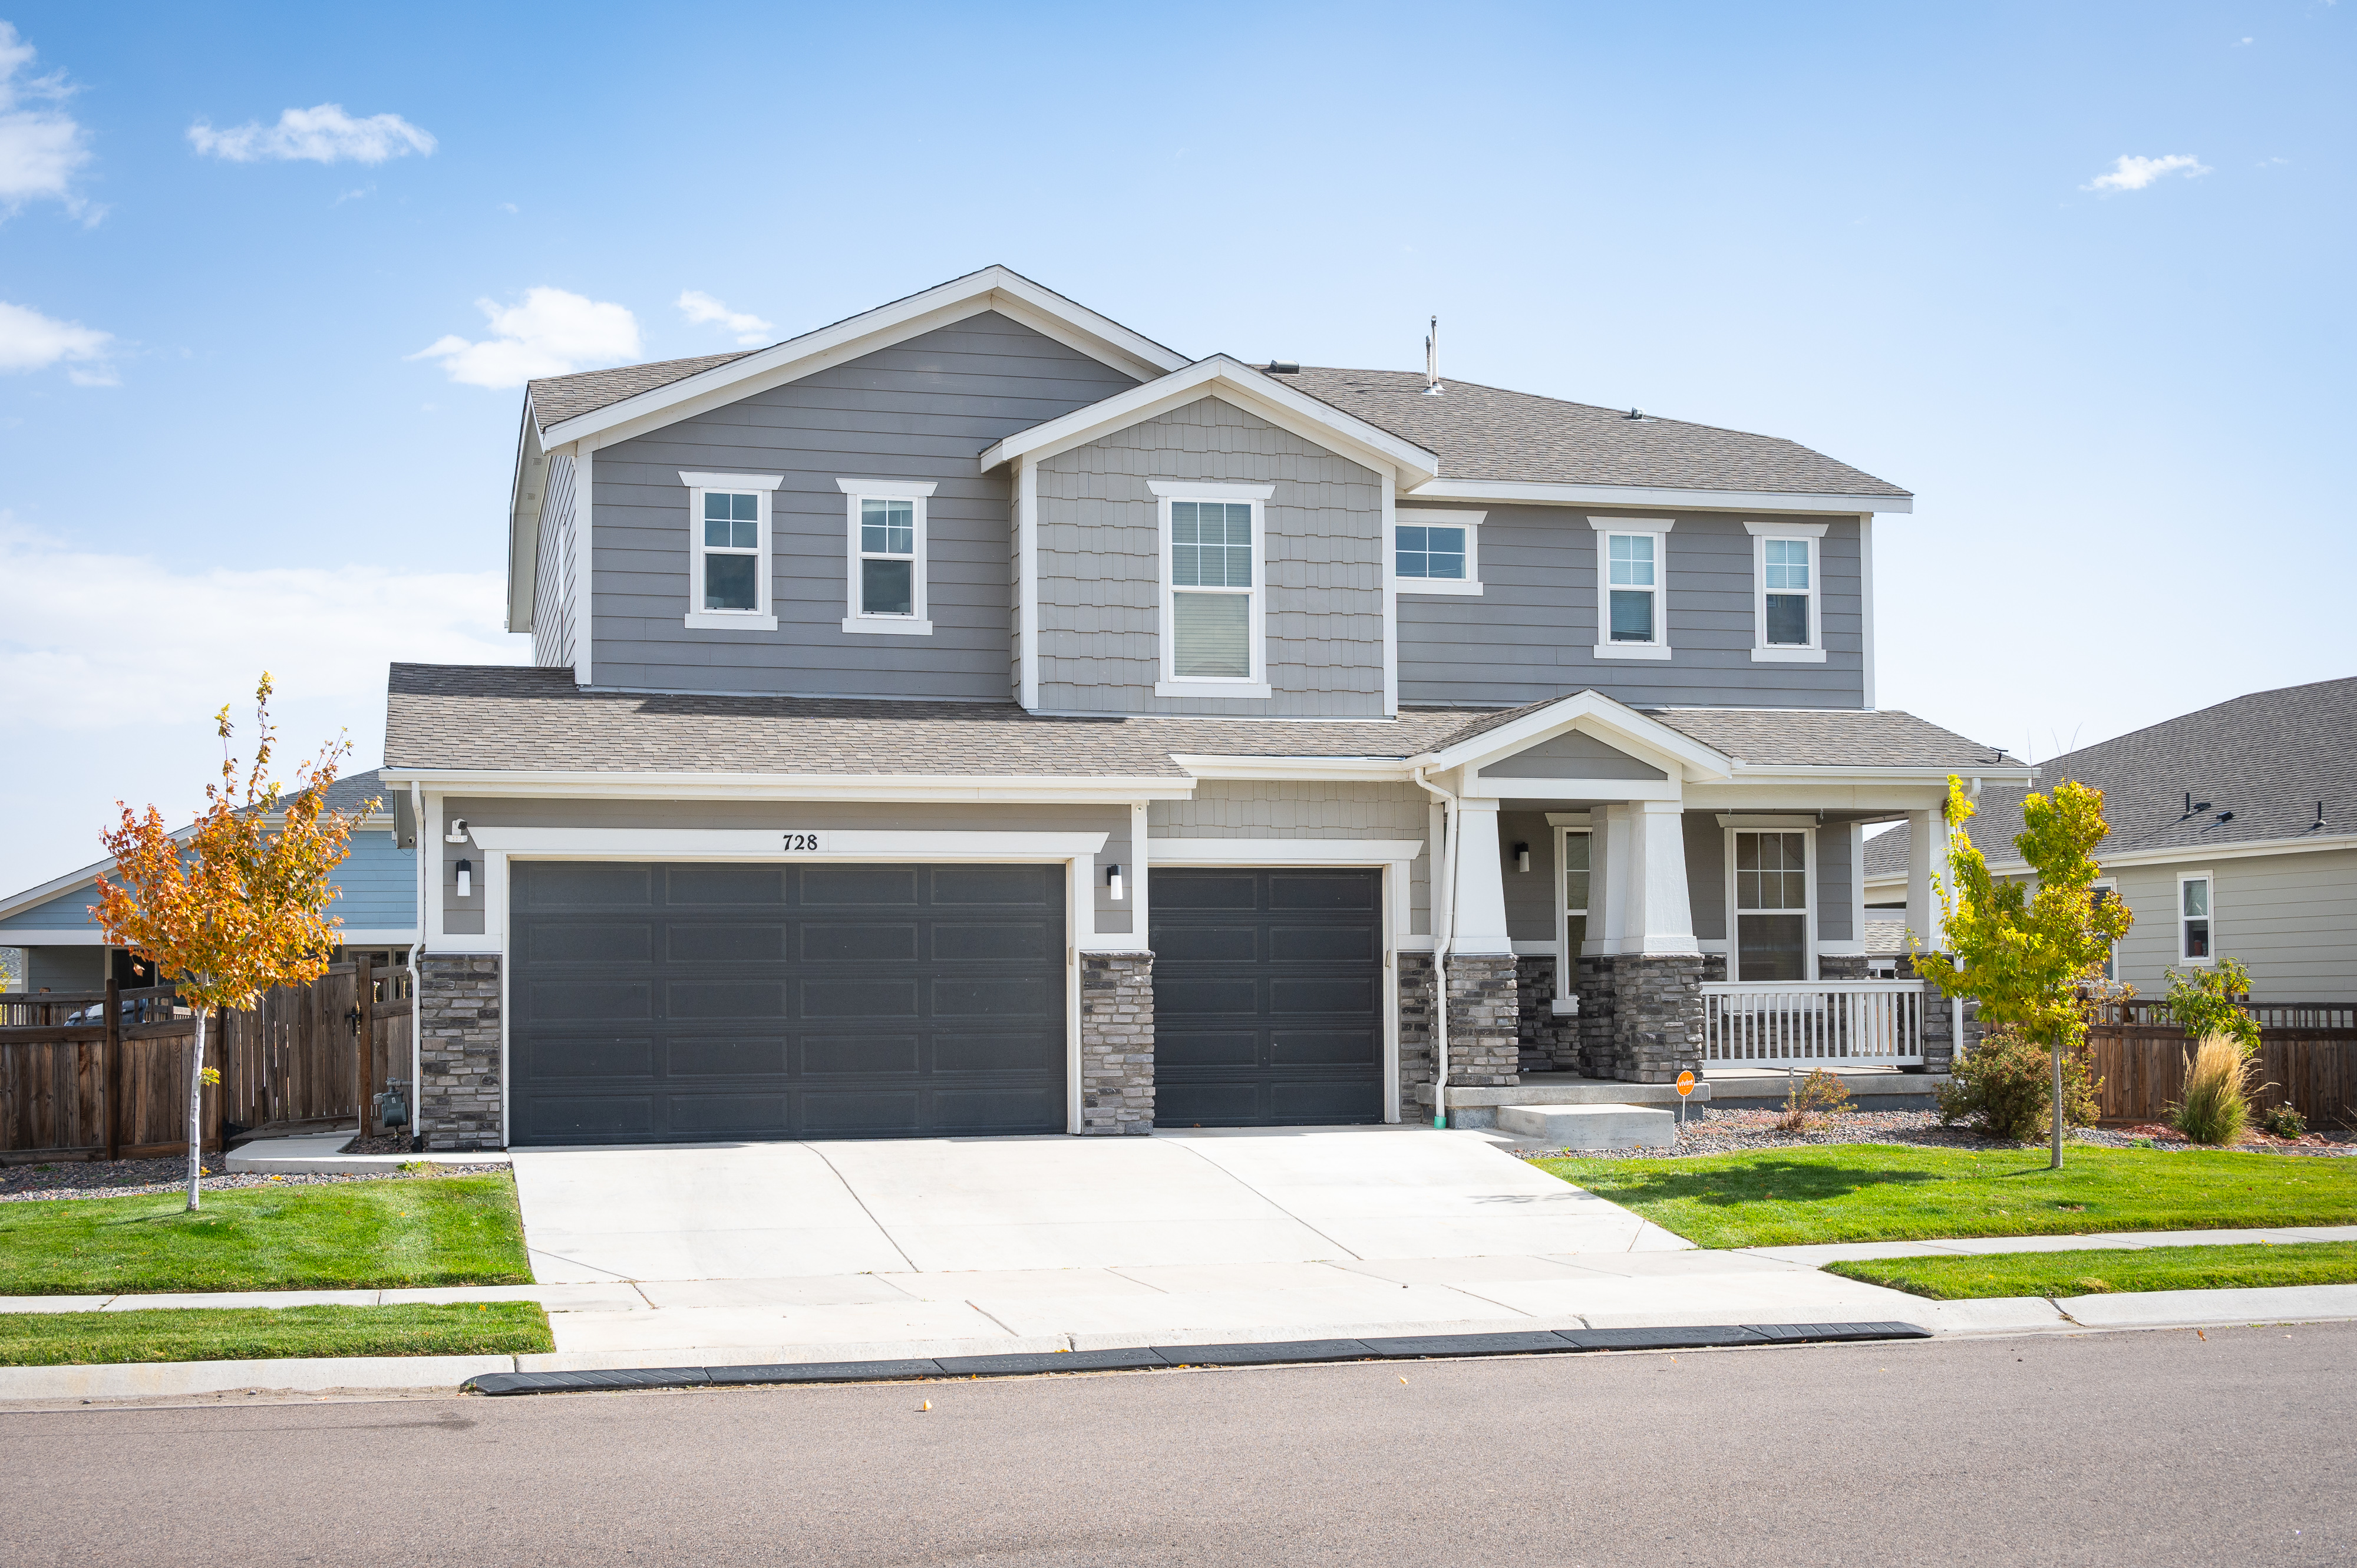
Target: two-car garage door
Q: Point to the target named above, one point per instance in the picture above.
(655, 1003)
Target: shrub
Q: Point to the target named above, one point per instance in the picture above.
(2217, 1104)
(2204, 1002)
(2283, 1121)
(1820, 1091)
(2002, 1087)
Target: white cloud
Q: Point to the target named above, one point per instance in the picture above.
(550, 333)
(324, 134)
(2132, 173)
(32, 341)
(40, 148)
(701, 307)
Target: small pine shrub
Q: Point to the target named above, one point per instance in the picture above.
(2283, 1122)
(2217, 1105)
(1821, 1091)
(2004, 1088)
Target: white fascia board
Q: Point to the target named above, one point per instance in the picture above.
(2196, 854)
(526, 490)
(992, 288)
(48, 890)
(1885, 798)
(2017, 774)
(1261, 395)
(62, 936)
(764, 843)
(1607, 720)
(1448, 489)
(1282, 852)
(375, 936)
(1477, 788)
(792, 786)
(1353, 769)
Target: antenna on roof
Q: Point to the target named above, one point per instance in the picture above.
(1432, 387)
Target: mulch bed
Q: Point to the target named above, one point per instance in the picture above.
(1709, 1131)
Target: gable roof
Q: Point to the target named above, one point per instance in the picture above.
(2268, 758)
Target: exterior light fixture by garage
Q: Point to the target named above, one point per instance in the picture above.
(457, 833)
(466, 879)
(1522, 857)
(1113, 880)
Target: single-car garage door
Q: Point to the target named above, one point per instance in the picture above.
(1267, 997)
(679, 1002)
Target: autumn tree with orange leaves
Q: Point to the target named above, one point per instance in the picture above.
(236, 906)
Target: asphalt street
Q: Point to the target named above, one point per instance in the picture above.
(2147, 1448)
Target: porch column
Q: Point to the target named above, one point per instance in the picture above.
(1664, 918)
(1479, 928)
(1926, 836)
(1614, 927)
(1656, 973)
(1484, 1006)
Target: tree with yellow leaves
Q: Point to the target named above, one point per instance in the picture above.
(236, 906)
(2024, 956)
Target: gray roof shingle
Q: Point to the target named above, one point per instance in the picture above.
(1489, 433)
(1831, 737)
(2268, 758)
(507, 717)
(555, 399)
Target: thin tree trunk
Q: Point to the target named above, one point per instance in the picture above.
(197, 1108)
(2054, 1160)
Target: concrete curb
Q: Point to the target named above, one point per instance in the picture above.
(147, 1379)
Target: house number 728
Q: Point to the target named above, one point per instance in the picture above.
(801, 842)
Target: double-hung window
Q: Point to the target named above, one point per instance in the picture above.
(1788, 599)
(728, 525)
(1773, 909)
(1631, 587)
(2193, 917)
(885, 592)
(1435, 551)
(1212, 589)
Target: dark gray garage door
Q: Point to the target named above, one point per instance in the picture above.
(1267, 997)
(679, 1002)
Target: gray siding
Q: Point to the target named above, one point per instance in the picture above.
(1836, 920)
(1530, 633)
(1706, 874)
(1571, 756)
(1280, 808)
(924, 409)
(552, 581)
(1529, 896)
(66, 969)
(2290, 918)
(1100, 566)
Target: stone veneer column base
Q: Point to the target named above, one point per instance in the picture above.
(1656, 1017)
(458, 1099)
(1415, 981)
(1117, 1043)
(1842, 966)
(1484, 1044)
(1549, 1040)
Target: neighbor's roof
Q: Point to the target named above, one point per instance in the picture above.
(509, 718)
(1489, 433)
(2269, 758)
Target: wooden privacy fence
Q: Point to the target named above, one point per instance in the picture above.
(105, 1074)
(2307, 1059)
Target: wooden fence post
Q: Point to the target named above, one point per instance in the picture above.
(111, 1052)
(363, 1000)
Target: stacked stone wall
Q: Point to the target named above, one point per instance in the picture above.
(1484, 1038)
(459, 1097)
(1116, 1043)
(1656, 1017)
(1548, 1041)
(1415, 980)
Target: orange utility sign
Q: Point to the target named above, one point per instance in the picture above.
(1685, 1084)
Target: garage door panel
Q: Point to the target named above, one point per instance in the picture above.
(1203, 997)
(1189, 1104)
(1297, 890)
(1174, 943)
(785, 1000)
(1323, 1101)
(1292, 995)
(1176, 1049)
(1181, 890)
(1324, 1047)
(1362, 943)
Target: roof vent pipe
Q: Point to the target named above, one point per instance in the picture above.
(1432, 387)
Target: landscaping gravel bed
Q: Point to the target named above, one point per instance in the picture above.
(137, 1178)
(1709, 1131)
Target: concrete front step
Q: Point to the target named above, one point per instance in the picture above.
(1591, 1126)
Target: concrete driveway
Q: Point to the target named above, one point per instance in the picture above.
(771, 1211)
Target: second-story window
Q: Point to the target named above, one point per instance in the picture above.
(886, 593)
(1436, 552)
(1789, 593)
(1212, 589)
(1631, 588)
(1788, 584)
(729, 551)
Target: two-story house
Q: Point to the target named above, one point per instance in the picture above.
(975, 718)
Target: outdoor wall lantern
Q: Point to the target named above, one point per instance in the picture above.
(457, 833)
(1113, 880)
(466, 879)
(1522, 857)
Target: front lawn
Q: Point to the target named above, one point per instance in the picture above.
(1895, 1192)
(2096, 1272)
(264, 1333)
(436, 1230)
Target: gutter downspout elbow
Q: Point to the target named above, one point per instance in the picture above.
(1444, 930)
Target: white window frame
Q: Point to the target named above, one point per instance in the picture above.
(1605, 528)
(2111, 884)
(761, 618)
(1814, 650)
(1255, 685)
(916, 492)
(1469, 585)
(1567, 963)
(1806, 827)
(2211, 919)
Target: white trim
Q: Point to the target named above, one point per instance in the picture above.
(1657, 529)
(1814, 650)
(1765, 819)
(1469, 585)
(1357, 770)
(584, 491)
(992, 288)
(1784, 529)
(1220, 375)
(1808, 891)
(762, 487)
(765, 843)
(2208, 919)
(1391, 618)
(1027, 572)
(1546, 494)
(691, 786)
(1623, 726)
(1785, 653)
(1283, 851)
(1866, 607)
(889, 488)
(1562, 827)
(917, 493)
(1571, 819)
(1254, 683)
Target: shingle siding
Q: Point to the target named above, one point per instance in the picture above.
(1282, 808)
(1101, 563)
(552, 583)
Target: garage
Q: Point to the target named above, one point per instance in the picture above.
(1267, 996)
(690, 1002)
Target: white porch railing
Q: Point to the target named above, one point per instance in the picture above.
(1813, 1023)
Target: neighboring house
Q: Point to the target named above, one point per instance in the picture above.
(60, 947)
(2233, 834)
(975, 717)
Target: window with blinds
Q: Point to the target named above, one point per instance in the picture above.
(1211, 590)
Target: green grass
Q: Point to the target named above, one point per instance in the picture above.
(428, 1230)
(261, 1333)
(2096, 1272)
(1887, 1192)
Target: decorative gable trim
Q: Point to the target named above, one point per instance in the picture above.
(1615, 724)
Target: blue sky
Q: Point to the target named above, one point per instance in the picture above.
(1905, 236)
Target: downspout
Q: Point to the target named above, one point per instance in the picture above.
(1444, 930)
(417, 978)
